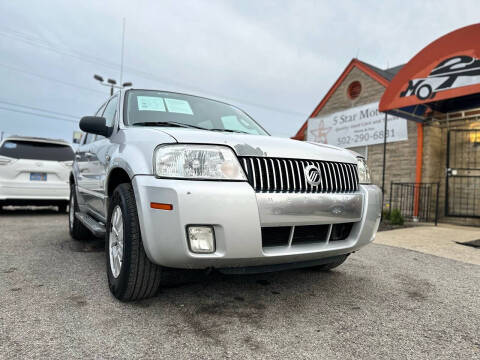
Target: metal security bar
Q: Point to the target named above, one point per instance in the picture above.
(290, 175)
(415, 200)
(462, 190)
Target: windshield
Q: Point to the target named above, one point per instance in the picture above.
(35, 150)
(148, 107)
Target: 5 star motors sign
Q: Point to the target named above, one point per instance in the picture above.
(358, 126)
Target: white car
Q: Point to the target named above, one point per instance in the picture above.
(35, 171)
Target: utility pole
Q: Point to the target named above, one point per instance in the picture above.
(111, 82)
(123, 50)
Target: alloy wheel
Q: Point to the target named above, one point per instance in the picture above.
(115, 241)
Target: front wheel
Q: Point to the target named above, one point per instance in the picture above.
(131, 275)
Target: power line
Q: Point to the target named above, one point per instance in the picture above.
(38, 109)
(39, 114)
(51, 79)
(144, 74)
(82, 57)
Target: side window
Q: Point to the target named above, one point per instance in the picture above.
(110, 111)
(91, 137)
(100, 111)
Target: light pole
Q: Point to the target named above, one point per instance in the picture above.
(111, 83)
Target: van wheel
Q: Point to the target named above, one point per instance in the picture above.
(131, 275)
(78, 231)
(62, 208)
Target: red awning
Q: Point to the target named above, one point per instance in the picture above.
(444, 76)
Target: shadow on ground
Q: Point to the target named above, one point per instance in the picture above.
(29, 210)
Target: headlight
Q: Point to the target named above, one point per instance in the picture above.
(210, 162)
(363, 173)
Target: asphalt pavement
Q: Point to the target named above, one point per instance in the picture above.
(384, 302)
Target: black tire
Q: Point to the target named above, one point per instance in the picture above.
(138, 277)
(332, 265)
(62, 208)
(78, 231)
(426, 95)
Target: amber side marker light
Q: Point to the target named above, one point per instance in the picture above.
(160, 206)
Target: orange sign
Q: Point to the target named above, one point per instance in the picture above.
(447, 68)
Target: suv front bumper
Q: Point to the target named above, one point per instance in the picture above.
(237, 215)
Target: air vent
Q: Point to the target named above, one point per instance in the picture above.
(354, 90)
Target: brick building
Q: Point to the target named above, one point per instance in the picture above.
(434, 145)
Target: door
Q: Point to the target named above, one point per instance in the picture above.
(462, 196)
(84, 174)
(85, 180)
(99, 161)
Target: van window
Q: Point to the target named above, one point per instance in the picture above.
(34, 150)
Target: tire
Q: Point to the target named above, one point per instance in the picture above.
(421, 94)
(62, 208)
(78, 231)
(332, 265)
(131, 275)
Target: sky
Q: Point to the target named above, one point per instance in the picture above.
(274, 59)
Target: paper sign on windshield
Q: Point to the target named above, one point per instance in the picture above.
(178, 106)
(150, 103)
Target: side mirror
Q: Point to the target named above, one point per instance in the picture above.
(95, 125)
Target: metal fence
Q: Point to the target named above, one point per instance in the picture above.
(415, 201)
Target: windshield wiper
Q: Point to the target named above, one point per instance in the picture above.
(166, 123)
(173, 123)
(229, 130)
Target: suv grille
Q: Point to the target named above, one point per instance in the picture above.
(288, 175)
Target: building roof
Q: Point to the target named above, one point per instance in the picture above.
(383, 76)
(388, 74)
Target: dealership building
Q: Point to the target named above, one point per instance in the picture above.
(428, 159)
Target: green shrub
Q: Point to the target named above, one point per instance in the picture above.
(396, 217)
(386, 215)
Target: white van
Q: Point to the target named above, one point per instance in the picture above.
(35, 171)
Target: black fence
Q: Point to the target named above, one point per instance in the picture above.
(415, 200)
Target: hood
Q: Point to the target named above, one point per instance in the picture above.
(263, 146)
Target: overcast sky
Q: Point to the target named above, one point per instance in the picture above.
(274, 59)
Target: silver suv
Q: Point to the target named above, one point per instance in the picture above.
(180, 181)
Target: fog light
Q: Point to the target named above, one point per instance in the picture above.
(201, 239)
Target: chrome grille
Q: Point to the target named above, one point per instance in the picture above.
(288, 175)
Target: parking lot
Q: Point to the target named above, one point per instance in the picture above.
(384, 302)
